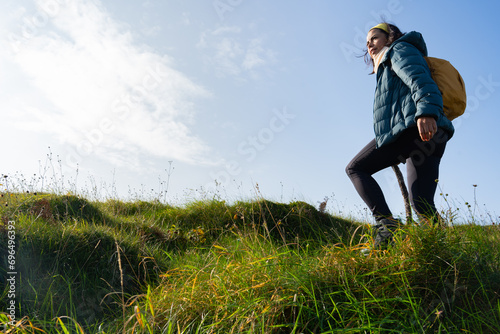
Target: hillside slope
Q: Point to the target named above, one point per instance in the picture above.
(255, 266)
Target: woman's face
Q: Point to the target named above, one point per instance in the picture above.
(375, 41)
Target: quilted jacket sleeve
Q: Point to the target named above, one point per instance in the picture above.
(410, 66)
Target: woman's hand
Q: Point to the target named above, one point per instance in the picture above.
(427, 127)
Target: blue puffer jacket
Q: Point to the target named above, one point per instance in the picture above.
(405, 90)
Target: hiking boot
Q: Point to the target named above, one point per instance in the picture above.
(385, 229)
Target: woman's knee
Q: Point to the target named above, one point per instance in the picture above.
(349, 169)
(352, 168)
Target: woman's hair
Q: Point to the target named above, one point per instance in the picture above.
(392, 36)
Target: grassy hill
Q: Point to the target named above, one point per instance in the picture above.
(70, 265)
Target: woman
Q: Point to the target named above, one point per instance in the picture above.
(410, 126)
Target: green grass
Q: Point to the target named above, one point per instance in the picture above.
(246, 267)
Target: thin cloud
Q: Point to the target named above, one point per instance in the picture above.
(231, 55)
(256, 55)
(101, 93)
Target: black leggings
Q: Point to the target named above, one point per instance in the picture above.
(422, 165)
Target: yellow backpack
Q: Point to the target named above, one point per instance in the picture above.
(451, 85)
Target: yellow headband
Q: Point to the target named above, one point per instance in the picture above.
(382, 26)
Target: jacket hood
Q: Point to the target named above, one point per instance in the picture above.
(414, 38)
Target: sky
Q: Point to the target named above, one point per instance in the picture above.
(231, 99)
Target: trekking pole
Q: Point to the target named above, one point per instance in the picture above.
(404, 192)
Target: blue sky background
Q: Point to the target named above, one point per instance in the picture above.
(228, 94)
